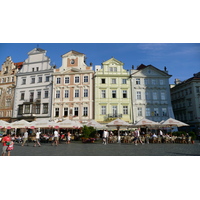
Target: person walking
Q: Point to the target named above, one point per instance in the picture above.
(68, 137)
(25, 138)
(137, 137)
(37, 141)
(56, 138)
(105, 137)
(6, 141)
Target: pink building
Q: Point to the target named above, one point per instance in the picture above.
(73, 89)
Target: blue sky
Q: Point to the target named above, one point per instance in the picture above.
(181, 59)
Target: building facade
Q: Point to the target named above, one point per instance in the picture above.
(150, 94)
(112, 92)
(186, 101)
(33, 93)
(7, 88)
(73, 89)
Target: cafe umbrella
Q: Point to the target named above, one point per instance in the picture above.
(118, 123)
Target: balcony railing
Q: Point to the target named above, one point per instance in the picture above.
(114, 115)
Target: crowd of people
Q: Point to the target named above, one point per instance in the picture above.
(136, 137)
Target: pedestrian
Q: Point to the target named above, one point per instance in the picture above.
(6, 141)
(25, 138)
(56, 138)
(68, 137)
(105, 137)
(37, 141)
(137, 137)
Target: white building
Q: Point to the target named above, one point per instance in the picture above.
(33, 93)
(150, 94)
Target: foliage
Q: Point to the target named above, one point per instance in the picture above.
(88, 132)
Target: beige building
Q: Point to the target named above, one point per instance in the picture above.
(7, 88)
(186, 101)
(73, 89)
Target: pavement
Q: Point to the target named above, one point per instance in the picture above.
(77, 148)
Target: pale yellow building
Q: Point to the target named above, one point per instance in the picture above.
(112, 93)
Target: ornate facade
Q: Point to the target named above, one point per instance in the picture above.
(33, 93)
(150, 94)
(112, 92)
(7, 88)
(73, 89)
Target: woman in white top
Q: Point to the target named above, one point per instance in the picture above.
(37, 139)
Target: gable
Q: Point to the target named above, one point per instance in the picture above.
(72, 53)
(36, 51)
(150, 71)
(113, 61)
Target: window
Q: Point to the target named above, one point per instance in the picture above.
(46, 94)
(125, 110)
(0, 91)
(27, 109)
(197, 89)
(33, 80)
(85, 93)
(114, 94)
(8, 102)
(189, 102)
(33, 69)
(146, 81)
(139, 111)
(85, 111)
(103, 93)
(153, 82)
(22, 95)
(37, 109)
(164, 111)
(56, 112)
(156, 112)
(72, 61)
(85, 79)
(39, 94)
(114, 111)
(138, 95)
(31, 96)
(23, 81)
(111, 69)
(124, 81)
(75, 111)
(66, 93)
(9, 91)
(47, 78)
(57, 93)
(40, 79)
(20, 110)
(45, 108)
(37, 68)
(147, 95)
(103, 80)
(58, 80)
(163, 97)
(155, 97)
(77, 79)
(124, 93)
(161, 82)
(76, 93)
(113, 81)
(103, 110)
(148, 112)
(66, 80)
(137, 81)
(66, 112)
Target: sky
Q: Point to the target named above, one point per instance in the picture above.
(181, 59)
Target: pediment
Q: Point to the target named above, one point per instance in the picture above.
(113, 61)
(36, 51)
(72, 53)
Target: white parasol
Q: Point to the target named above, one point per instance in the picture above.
(118, 123)
(95, 124)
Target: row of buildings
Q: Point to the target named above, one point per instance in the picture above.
(34, 90)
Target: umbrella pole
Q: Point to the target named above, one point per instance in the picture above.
(118, 133)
